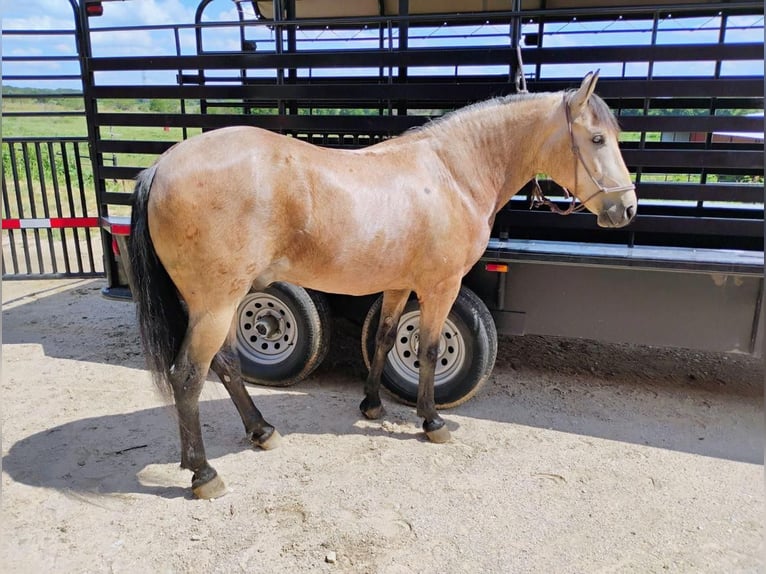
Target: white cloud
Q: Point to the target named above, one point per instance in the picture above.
(23, 21)
(146, 13)
(66, 49)
(23, 52)
(44, 10)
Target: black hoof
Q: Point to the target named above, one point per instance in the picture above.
(371, 410)
(434, 425)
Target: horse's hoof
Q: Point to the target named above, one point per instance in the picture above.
(270, 443)
(213, 488)
(437, 431)
(439, 436)
(372, 412)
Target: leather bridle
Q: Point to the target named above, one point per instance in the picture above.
(538, 198)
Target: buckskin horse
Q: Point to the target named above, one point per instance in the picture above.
(241, 207)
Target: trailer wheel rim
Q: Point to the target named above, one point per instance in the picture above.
(403, 357)
(266, 329)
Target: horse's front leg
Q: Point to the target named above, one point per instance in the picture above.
(434, 308)
(390, 311)
(226, 366)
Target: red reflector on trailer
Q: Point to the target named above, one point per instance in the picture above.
(497, 267)
(120, 229)
(95, 9)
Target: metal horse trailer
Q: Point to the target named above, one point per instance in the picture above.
(684, 78)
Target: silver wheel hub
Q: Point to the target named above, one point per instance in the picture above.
(403, 358)
(266, 329)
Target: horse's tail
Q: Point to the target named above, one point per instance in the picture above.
(162, 317)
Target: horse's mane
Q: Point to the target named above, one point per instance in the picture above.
(599, 108)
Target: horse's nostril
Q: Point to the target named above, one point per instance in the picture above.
(630, 211)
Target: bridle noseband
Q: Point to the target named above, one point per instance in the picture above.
(538, 198)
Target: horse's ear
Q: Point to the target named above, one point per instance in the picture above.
(579, 99)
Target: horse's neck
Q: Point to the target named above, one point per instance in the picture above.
(495, 150)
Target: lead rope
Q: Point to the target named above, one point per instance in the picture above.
(520, 79)
(538, 197)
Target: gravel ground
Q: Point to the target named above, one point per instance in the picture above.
(576, 457)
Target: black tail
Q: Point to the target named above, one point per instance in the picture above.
(162, 318)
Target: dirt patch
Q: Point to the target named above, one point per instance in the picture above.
(577, 457)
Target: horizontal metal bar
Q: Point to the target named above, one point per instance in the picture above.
(640, 256)
(39, 32)
(116, 198)
(18, 78)
(49, 276)
(666, 224)
(334, 124)
(134, 146)
(40, 58)
(694, 159)
(752, 125)
(547, 14)
(377, 89)
(655, 53)
(433, 57)
(119, 172)
(689, 87)
(372, 91)
(740, 193)
(41, 114)
(43, 96)
(334, 59)
(45, 139)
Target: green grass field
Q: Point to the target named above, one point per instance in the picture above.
(27, 197)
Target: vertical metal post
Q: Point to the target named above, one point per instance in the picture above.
(713, 104)
(44, 198)
(85, 53)
(404, 31)
(104, 236)
(32, 206)
(19, 205)
(279, 49)
(292, 47)
(70, 198)
(200, 49)
(59, 212)
(182, 101)
(649, 76)
(11, 232)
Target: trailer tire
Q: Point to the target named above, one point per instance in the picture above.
(467, 351)
(283, 334)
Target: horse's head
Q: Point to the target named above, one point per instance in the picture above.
(595, 171)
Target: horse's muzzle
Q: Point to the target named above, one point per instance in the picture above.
(616, 215)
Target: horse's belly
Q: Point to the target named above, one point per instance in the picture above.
(373, 273)
(357, 287)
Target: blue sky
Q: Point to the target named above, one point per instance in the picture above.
(57, 15)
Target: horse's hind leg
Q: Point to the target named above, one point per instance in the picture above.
(206, 332)
(226, 366)
(390, 311)
(434, 308)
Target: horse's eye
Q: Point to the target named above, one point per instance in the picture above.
(598, 139)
